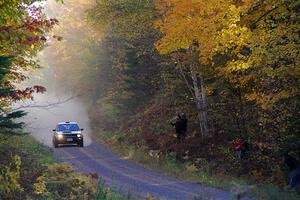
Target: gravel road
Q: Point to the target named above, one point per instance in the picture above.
(131, 178)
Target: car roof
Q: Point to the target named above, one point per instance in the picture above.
(67, 123)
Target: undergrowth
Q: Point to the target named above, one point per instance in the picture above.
(105, 193)
(28, 170)
(169, 165)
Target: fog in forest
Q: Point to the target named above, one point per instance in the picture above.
(57, 104)
(52, 107)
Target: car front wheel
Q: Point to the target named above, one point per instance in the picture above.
(80, 144)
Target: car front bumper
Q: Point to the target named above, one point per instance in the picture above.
(68, 139)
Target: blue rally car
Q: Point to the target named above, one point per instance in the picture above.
(67, 133)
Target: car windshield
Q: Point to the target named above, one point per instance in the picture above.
(67, 127)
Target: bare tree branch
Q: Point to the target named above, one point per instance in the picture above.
(46, 106)
(185, 79)
(187, 83)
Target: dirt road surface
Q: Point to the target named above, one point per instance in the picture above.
(131, 178)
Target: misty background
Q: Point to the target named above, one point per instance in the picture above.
(59, 103)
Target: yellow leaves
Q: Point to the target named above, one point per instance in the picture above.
(231, 72)
(252, 96)
(59, 169)
(232, 36)
(239, 65)
(172, 42)
(182, 25)
(40, 187)
(233, 16)
(213, 24)
(76, 186)
(150, 197)
(267, 101)
(9, 178)
(191, 168)
(209, 90)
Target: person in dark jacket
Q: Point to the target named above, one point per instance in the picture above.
(178, 127)
(294, 166)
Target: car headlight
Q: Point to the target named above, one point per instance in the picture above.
(60, 136)
(78, 135)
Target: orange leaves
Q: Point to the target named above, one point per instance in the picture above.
(39, 89)
(181, 6)
(27, 93)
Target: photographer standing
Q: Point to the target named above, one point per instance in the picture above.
(180, 126)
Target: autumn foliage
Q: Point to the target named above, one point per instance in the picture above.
(24, 29)
(231, 66)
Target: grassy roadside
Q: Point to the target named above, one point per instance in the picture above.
(168, 165)
(36, 174)
(37, 150)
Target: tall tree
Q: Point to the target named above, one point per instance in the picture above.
(129, 33)
(23, 33)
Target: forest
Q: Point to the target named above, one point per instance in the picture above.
(232, 66)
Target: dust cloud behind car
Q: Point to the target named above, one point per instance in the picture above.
(41, 120)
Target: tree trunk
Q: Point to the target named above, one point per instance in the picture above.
(242, 114)
(201, 103)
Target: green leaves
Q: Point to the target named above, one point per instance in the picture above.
(23, 33)
(129, 37)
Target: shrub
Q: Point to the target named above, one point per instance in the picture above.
(104, 193)
(61, 182)
(9, 178)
